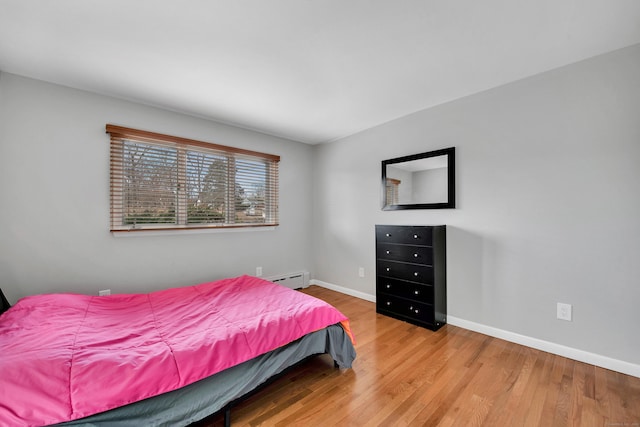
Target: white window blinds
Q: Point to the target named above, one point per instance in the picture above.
(164, 182)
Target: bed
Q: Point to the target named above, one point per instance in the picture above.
(170, 357)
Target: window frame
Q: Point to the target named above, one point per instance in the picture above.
(118, 137)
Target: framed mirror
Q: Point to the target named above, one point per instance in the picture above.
(420, 181)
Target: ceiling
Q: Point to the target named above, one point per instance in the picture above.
(310, 71)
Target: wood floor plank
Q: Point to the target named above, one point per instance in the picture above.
(409, 376)
(552, 391)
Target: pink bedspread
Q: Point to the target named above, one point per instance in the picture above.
(67, 356)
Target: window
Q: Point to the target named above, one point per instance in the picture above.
(391, 187)
(166, 182)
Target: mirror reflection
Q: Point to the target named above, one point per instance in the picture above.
(420, 181)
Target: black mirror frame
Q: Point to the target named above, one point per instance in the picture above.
(451, 180)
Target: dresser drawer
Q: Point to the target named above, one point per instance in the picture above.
(405, 235)
(400, 288)
(406, 253)
(405, 271)
(406, 308)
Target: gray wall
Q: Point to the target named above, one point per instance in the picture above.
(54, 198)
(430, 186)
(548, 203)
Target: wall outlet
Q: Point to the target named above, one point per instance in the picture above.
(258, 271)
(104, 292)
(361, 272)
(564, 311)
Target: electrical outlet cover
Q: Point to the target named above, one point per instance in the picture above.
(564, 311)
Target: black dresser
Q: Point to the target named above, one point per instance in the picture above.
(411, 273)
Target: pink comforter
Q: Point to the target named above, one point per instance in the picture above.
(67, 356)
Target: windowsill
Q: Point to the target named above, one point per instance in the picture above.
(143, 233)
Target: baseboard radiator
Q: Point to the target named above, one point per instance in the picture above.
(292, 280)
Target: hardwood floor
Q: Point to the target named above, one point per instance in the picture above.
(406, 375)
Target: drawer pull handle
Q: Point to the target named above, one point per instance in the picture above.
(417, 311)
(388, 302)
(415, 255)
(388, 235)
(388, 269)
(416, 292)
(388, 252)
(415, 274)
(388, 286)
(415, 236)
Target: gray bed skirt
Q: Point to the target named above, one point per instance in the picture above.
(205, 397)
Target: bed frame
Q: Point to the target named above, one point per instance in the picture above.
(4, 304)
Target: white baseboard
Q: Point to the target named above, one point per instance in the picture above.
(343, 290)
(561, 350)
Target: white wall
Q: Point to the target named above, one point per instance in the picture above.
(548, 204)
(54, 198)
(430, 186)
